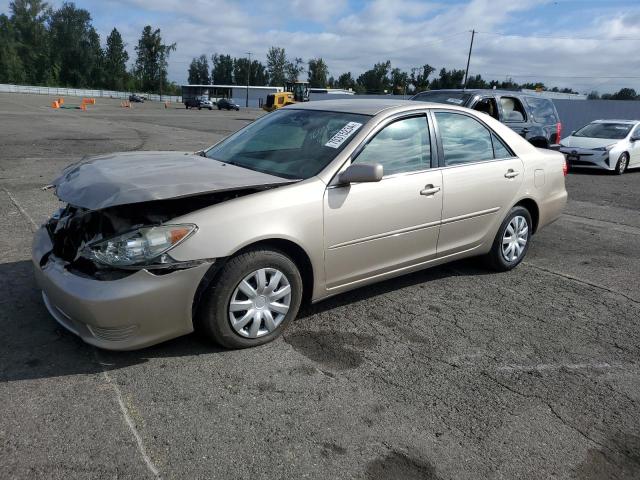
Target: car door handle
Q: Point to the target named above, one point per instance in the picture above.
(511, 174)
(429, 190)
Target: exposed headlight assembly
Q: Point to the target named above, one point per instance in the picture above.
(605, 149)
(142, 247)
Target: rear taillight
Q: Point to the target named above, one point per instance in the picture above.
(558, 132)
(565, 168)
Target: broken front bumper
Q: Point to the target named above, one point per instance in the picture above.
(136, 311)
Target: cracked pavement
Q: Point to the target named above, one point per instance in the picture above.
(450, 373)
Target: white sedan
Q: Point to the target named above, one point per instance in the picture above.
(607, 144)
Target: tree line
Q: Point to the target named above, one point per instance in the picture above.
(43, 46)
(382, 78)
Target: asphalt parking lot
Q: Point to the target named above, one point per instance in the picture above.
(450, 373)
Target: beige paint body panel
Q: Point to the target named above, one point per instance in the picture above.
(372, 228)
(475, 199)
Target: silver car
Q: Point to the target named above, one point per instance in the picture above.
(307, 202)
(612, 145)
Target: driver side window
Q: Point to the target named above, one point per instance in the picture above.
(402, 146)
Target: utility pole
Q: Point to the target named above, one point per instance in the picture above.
(466, 73)
(248, 77)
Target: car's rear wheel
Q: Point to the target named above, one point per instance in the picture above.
(252, 300)
(512, 240)
(623, 163)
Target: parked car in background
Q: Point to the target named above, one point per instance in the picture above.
(310, 201)
(198, 102)
(136, 98)
(533, 117)
(227, 104)
(206, 103)
(606, 144)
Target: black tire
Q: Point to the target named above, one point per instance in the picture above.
(199, 108)
(210, 108)
(212, 317)
(219, 108)
(495, 258)
(187, 107)
(622, 164)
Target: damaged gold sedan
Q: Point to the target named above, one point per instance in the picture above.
(305, 203)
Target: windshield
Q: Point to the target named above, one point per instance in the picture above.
(289, 143)
(613, 131)
(452, 98)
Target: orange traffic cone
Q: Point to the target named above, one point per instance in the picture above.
(61, 101)
(55, 104)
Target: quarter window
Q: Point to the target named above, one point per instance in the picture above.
(499, 148)
(402, 146)
(464, 139)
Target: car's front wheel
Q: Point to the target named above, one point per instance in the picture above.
(512, 240)
(622, 164)
(254, 297)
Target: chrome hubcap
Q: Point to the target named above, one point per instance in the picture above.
(260, 302)
(515, 238)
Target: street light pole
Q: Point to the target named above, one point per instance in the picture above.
(466, 72)
(248, 77)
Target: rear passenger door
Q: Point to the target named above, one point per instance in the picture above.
(480, 178)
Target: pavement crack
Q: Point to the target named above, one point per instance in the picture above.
(582, 281)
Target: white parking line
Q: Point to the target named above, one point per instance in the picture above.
(127, 418)
(24, 213)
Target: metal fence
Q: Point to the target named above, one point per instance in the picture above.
(82, 92)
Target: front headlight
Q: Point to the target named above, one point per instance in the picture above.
(605, 149)
(141, 247)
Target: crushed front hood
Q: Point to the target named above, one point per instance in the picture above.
(134, 177)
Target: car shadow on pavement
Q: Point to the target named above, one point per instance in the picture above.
(467, 267)
(35, 346)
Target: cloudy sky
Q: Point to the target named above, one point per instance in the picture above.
(584, 44)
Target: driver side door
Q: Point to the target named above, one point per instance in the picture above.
(373, 229)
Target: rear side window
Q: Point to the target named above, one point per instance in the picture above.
(402, 146)
(512, 109)
(464, 139)
(542, 110)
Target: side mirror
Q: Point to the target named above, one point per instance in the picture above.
(634, 138)
(572, 132)
(361, 173)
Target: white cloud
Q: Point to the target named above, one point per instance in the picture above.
(408, 32)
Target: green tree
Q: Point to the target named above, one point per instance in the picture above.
(276, 65)
(199, 71)
(448, 79)
(346, 81)
(151, 61)
(240, 71)
(594, 95)
(29, 18)
(294, 69)
(75, 47)
(259, 74)
(11, 68)
(399, 81)
(376, 80)
(115, 62)
(318, 72)
(221, 69)
(625, 94)
(419, 77)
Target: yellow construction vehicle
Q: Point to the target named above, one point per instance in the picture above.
(294, 92)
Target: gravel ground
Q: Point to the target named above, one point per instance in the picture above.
(450, 373)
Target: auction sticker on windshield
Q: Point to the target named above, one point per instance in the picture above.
(344, 133)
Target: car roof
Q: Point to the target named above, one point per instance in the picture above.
(615, 120)
(363, 106)
(475, 91)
